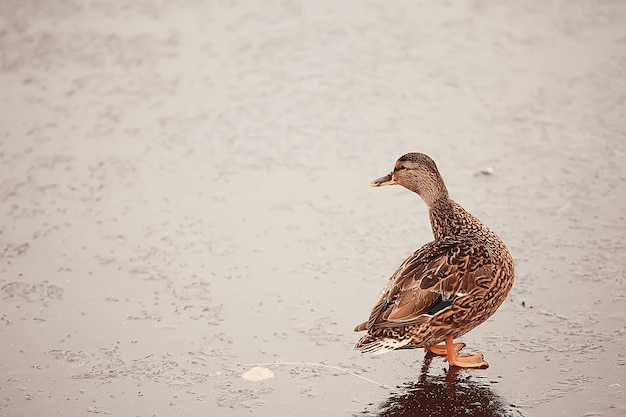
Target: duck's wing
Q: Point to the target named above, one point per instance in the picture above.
(428, 281)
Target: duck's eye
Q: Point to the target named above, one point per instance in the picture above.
(402, 168)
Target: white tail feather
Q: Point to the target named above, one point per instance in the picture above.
(380, 346)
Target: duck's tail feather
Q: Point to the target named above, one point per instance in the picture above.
(378, 345)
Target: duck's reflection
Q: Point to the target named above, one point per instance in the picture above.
(455, 393)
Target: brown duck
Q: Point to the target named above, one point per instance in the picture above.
(448, 286)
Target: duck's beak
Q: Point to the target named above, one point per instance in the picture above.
(386, 180)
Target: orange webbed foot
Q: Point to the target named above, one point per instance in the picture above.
(470, 361)
(441, 349)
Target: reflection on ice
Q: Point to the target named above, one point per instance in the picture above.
(454, 393)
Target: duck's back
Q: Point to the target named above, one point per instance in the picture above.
(482, 258)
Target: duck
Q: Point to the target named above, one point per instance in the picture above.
(445, 288)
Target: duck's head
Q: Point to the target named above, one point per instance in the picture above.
(418, 173)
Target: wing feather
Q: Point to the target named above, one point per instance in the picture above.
(439, 270)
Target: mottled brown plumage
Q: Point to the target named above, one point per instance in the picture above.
(448, 286)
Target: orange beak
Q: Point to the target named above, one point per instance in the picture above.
(386, 180)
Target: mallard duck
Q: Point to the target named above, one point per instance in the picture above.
(448, 286)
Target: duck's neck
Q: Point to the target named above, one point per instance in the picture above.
(447, 218)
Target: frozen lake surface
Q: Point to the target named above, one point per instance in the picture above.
(184, 197)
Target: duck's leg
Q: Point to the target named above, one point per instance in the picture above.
(471, 361)
(442, 350)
